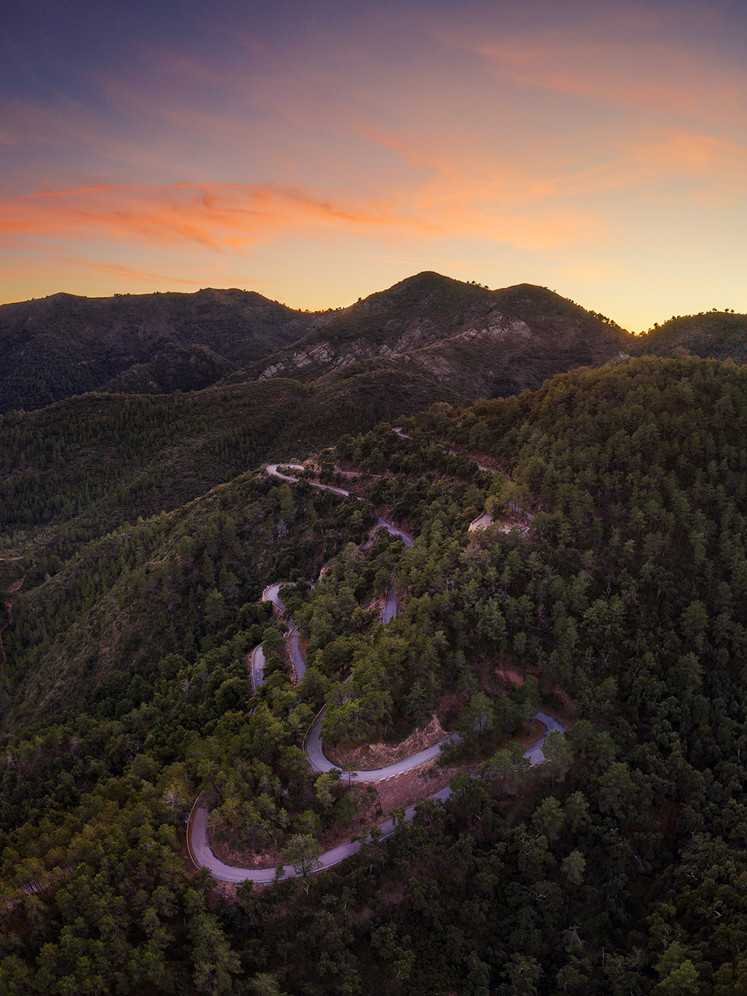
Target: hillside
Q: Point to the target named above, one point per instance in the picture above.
(474, 341)
(145, 343)
(84, 466)
(481, 343)
(718, 335)
(611, 588)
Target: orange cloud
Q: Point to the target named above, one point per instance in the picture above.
(471, 191)
(214, 215)
(127, 272)
(224, 217)
(709, 164)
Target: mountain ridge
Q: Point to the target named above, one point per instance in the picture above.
(481, 342)
(64, 344)
(463, 336)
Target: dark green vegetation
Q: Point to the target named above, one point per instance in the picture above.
(464, 337)
(618, 867)
(144, 343)
(715, 334)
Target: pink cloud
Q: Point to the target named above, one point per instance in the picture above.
(651, 77)
(216, 216)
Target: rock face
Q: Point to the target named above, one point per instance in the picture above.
(371, 757)
(472, 340)
(479, 342)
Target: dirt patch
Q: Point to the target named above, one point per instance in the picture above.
(231, 853)
(368, 757)
(511, 676)
(222, 892)
(418, 783)
(497, 676)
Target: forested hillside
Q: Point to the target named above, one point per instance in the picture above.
(720, 335)
(140, 343)
(609, 589)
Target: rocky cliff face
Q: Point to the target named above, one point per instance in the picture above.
(479, 342)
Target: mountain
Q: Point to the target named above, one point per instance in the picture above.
(137, 534)
(474, 341)
(720, 335)
(482, 343)
(145, 343)
(471, 340)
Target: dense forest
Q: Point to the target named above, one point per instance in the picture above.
(609, 587)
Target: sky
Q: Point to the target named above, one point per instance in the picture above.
(317, 152)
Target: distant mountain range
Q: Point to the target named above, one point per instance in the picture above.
(469, 340)
(144, 344)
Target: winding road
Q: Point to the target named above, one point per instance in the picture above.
(272, 592)
(198, 842)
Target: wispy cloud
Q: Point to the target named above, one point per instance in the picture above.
(231, 216)
(213, 215)
(116, 270)
(651, 77)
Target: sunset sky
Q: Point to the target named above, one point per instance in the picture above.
(319, 151)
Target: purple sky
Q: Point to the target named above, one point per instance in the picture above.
(317, 152)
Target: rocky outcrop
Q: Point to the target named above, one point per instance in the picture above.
(479, 342)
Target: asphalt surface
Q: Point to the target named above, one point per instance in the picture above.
(389, 611)
(258, 667)
(197, 829)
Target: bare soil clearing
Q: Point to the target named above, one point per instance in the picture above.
(369, 757)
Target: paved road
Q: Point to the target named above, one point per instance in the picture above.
(258, 667)
(534, 751)
(405, 537)
(273, 470)
(203, 857)
(272, 594)
(481, 522)
(197, 830)
(389, 611)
